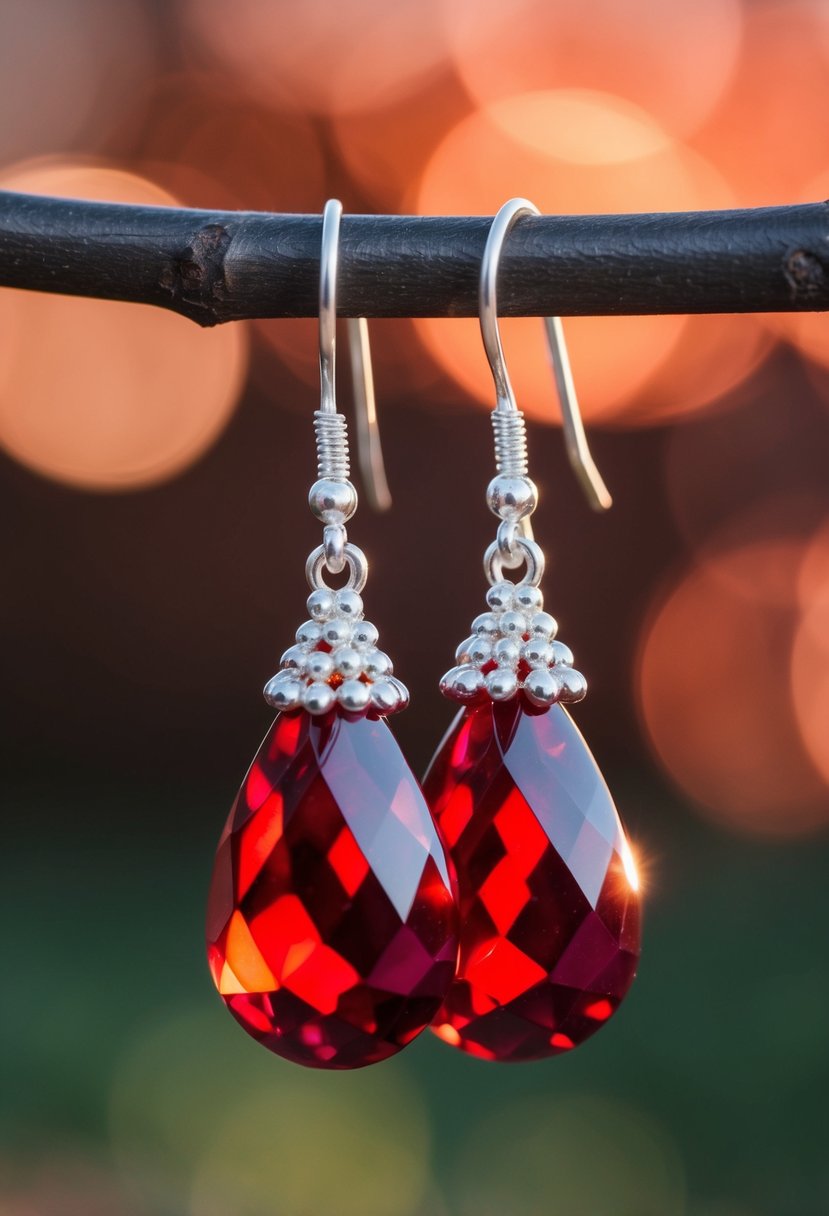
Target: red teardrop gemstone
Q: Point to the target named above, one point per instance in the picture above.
(547, 887)
(331, 927)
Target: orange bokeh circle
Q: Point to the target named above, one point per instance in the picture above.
(714, 355)
(105, 395)
(322, 57)
(575, 152)
(385, 149)
(769, 135)
(714, 696)
(672, 58)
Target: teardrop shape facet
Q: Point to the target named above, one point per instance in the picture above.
(331, 928)
(546, 884)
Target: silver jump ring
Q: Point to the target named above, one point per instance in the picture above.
(532, 554)
(355, 559)
(334, 542)
(507, 536)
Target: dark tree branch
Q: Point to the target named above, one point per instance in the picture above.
(215, 266)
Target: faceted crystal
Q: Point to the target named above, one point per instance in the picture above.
(546, 884)
(331, 928)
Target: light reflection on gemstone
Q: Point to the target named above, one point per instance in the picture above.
(331, 928)
(546, 883)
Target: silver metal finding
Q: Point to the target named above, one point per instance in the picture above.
(353, 557)
(513, 650)
(509, 431)
(528, 551)
(329, 258)
(335, 664)
(369, 449)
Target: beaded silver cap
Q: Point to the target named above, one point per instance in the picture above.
(335, 661)
(512, 651)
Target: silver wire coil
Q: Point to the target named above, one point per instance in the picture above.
(510, 443)
(332, 446)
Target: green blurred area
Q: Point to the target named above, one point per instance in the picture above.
(121, 1069)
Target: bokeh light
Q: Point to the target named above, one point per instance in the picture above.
(107, 395)
(213, 148)
(69, 47)
(386, 149)
(714, 690)
(770, 133)
(577, 152)
(713, 356)
(321, 56)
(671, 58)
(574, 1153)
(198, 1112)
(572, 151)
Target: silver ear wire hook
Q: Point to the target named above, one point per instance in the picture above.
(578, 451)
(329, 257)
(369, 450)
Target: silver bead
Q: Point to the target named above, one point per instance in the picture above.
(353, 695)
(376, 663)
(499, 596)
(542, 686)
(463, 652)
(573, 682)
(318, 698)
(364, 634)
(485, 623)
(502, 684)
(542, 625)
(283, 691)
(537, 652)
(511, 497)
(294, 657)
(384, 697)
(505, 652)
(401, 690)
(319, 665)
(309, 633)
(513, 623)
(480, 651)
(349, 604)
(562, 655)
(347, 661)
(527, 598)
(336, 633)
(321, 604)
(332, 501)
(462, 683)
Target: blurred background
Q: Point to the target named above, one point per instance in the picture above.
(153, 532)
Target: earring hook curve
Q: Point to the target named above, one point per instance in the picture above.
(369, 449)
(575, 439)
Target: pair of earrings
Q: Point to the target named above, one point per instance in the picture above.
(349, 908)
